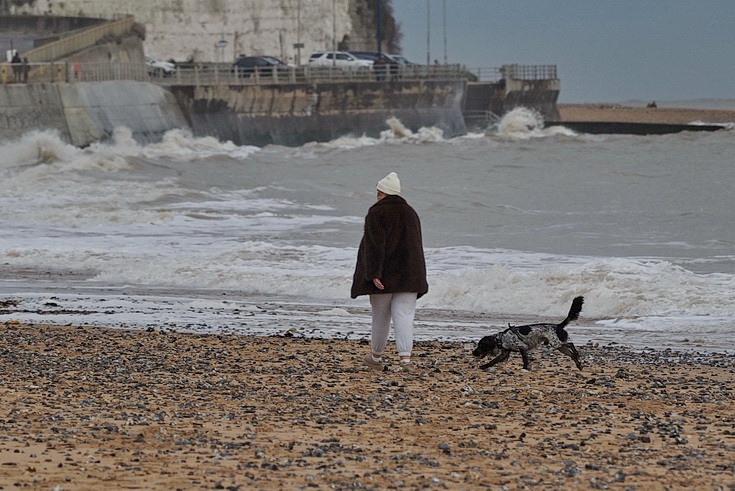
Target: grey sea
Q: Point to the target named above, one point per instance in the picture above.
(194, 234)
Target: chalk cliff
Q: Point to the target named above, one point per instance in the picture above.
(220, 30)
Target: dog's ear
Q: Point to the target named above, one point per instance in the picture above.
(484, 346)
(488, 342)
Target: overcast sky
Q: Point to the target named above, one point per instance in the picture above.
(604, 50)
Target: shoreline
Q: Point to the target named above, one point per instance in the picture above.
(90, 407)
(216, 312)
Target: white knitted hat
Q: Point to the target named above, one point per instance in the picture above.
(390, 184)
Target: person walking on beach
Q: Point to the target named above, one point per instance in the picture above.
(391, 269)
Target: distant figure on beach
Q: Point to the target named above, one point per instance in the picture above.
(652, 104)
(17, 68)
(391, 269)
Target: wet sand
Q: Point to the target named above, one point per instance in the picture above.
(628, 114)
(94, 408)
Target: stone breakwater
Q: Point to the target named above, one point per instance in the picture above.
(627, 114)
(94, 408)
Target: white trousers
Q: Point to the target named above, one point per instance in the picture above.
(402, 308)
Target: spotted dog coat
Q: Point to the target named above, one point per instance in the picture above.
(523, 339)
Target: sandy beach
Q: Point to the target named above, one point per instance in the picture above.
(95, 408)
(629, 114)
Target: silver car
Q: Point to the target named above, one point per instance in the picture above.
(341, 59)
(158, 68)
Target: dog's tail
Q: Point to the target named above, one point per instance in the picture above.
(573, 312)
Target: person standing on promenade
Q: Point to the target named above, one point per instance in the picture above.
(17, 68)
(391, 269)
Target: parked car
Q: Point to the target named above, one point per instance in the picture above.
(374, 56)
(401, 59)
(159, 68)
(342, 59)
(246, 66)
(383, 64)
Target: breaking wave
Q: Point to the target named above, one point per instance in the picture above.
(47, 147)
(397, 132)
(523, 123)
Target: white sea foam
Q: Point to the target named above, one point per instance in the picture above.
(180, 144)
(47, 147)
(36, 147)
(488, 281)
(727, 126)
(396, 133)
(626, 302)
(613, 287)
(522, 123)
(399, 131)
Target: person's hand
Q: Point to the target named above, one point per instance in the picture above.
(378, 284)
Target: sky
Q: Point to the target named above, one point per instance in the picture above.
(606, 51)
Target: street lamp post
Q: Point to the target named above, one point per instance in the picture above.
(334, 33)
(298, 34)
(379, 22)
(445, 32)
(428, 32)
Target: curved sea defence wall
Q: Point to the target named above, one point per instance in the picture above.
(86, 112)
(94, 110)
(294, 114)
(25, 108)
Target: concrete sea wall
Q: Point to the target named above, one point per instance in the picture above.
(94, 110)
(25, 108)
(293, 114)
(83, 113)
(284, 114)
(538, 94)
(503, 96)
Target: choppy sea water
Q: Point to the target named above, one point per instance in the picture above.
(200, 235)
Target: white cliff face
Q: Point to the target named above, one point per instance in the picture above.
(221, 30)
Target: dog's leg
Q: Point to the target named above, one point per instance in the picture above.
(501, 357)
(524, 355)
(569, 350)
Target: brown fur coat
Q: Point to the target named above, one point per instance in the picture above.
(391, 249)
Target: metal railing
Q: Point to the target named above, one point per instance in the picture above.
(493, 74)
(72, 72)
(79, 40)
(528, 72)
(223, 74)
(516, 72)
(217, 73)
(481, 117)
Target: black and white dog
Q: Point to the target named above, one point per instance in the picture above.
(525, 338)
